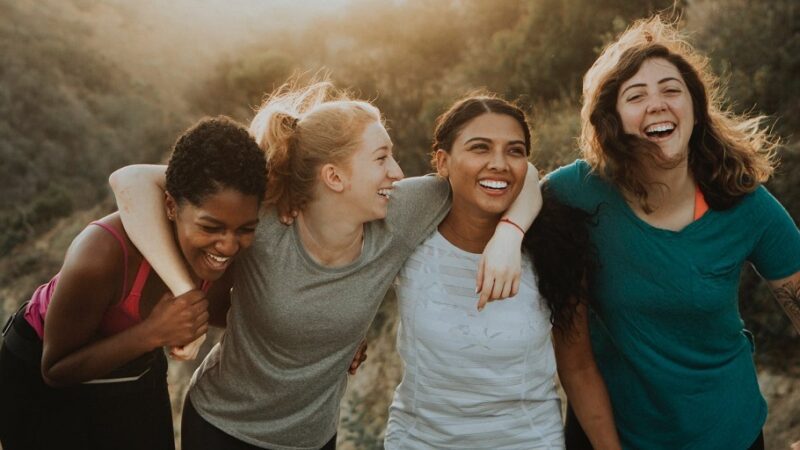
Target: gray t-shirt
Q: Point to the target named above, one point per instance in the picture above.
(277, 377)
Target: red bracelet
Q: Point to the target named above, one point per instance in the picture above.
(507, 220)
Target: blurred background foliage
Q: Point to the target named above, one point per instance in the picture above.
(88, 86)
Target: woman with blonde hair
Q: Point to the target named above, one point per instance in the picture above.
(305, 294)
(678, 183)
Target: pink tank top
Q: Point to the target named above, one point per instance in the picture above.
(118, 317)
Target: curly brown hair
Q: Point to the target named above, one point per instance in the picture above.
(729, 155)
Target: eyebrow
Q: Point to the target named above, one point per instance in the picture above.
(483, 139)
(661, 81)
(382, 147)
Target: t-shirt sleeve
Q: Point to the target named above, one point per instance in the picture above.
(417, 206)
(565, 182)
(776, 254)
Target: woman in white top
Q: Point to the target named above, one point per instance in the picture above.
(485, 379)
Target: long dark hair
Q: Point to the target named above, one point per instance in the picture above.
(564, 258)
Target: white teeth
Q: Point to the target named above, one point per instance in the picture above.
(659, 127)
(493, 184)
(219, 259)
(384, 192)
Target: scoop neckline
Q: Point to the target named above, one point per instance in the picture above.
(688, 229)
(309, 260)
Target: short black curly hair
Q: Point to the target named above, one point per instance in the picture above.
(214, 154)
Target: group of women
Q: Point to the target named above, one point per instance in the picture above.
(625, 285)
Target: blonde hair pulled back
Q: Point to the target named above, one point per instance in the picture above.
(302, 128)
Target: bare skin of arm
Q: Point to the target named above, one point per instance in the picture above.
(583, 383)
(139, 191)
(500, 266)
(89, 283)
(787, 293)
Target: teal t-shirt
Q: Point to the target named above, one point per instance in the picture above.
(666, 329)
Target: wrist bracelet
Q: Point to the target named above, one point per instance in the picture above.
(509, 221)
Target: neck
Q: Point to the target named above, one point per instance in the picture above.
(670, 186)
(469, 232)
(327, 234)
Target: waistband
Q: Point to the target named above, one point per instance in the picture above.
(21, 339)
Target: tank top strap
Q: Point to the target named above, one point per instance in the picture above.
(124, 246)
(141, 278)
(700, 205)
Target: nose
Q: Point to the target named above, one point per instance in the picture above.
(497, 160)
(394, 172)
(656, 105)
(228, 244)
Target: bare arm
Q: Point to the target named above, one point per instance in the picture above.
(89, 283)
(139, 191)
(787, 293)
(500, 266)
(583, 383)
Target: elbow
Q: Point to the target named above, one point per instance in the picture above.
(117, 179)
(52, 378)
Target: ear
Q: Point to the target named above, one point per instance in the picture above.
(332, 177)
(442, 163)
(170, 206)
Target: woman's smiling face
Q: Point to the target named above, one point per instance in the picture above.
(212, 233)
(656, 105)
(486, 165)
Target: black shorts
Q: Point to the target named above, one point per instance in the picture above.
(130, 415)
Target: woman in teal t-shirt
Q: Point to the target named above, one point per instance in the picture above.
(677, 184)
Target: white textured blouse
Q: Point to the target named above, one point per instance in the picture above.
(472, 380)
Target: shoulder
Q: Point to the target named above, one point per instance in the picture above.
(576, 184)
(417, 205)
(96, 254)
(414, 187)
(760, 203)
(567, 179)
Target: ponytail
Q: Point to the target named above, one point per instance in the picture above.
(302, 128)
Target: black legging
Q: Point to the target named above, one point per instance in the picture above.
(576, 439)
(198, 434)
(133, 415)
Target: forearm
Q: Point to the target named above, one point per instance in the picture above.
(529, 201)
(100, 357)
(139, 191)
(787, 293)
(588, 397)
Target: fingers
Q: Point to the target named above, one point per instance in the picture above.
(288, 219)
(479, 277)
(515, 286)
(358, 358)
(506, 291)
(497, 290)
(486, 292)
(193, 297)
